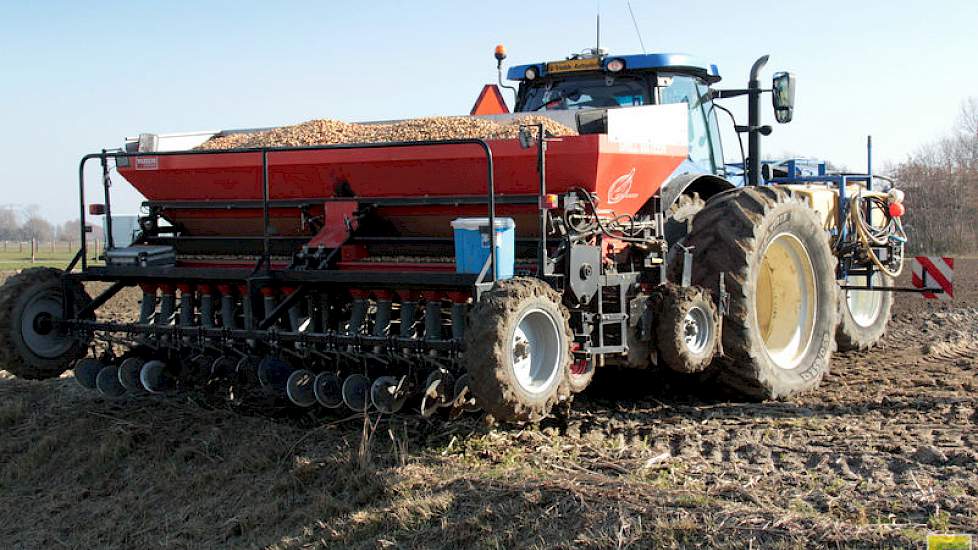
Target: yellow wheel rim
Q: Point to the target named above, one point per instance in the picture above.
(785, 303)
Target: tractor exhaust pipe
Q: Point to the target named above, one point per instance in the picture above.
(108, 384)
(86, 372)
(328, 389)
(388, 394)
(356, 392)
(300, 388)
(156, 378)
(754, 122)
(129, 373)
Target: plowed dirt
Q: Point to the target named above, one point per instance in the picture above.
(883, 452)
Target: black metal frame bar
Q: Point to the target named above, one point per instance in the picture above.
(453, 200)
(100, 300)
(365, 279)
(273, 316)
(332, 339)
(893, 289)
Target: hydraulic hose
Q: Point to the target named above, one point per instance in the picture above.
(869, 235)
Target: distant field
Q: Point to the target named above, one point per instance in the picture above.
(18, 255)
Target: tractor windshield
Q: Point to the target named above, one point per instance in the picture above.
(584, 93)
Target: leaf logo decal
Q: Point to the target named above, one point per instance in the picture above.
(621, 188)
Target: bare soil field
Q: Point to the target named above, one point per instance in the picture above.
(885, 451)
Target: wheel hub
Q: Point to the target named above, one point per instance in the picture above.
(696, 330)
(864, 306)
(43, 323)
(785, 301)
(535, 351)
(38, 327)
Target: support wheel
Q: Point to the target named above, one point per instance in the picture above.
(863, 314)
(686, 329)
(518, 350)
(31, 346)
(779, 330)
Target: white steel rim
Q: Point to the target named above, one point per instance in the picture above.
(536, 351)
(37, 329)
(786, 301)
(864, 306)
(697, 330)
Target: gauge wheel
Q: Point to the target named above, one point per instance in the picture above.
(32, 345)
(518, 350)
(686, 329)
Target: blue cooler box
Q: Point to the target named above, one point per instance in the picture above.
(472, 245)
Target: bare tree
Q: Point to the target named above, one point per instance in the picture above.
(69, 231)
(34, 226)
(8, 223)
(941, 181)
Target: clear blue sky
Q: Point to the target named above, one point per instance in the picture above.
(79, 76)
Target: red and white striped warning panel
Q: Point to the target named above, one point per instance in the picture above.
(935, 273)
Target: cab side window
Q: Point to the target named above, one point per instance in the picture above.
(686, 89)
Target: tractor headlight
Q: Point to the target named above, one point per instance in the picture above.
(530, 73)
(616, 65)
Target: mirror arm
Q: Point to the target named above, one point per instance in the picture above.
(723, 94)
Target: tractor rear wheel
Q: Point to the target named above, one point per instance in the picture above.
(863, 314)
(779, 272)
(518, 350)
(31, 345)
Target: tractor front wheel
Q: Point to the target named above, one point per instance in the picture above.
(686, 330)
(863, 314)
(518, 350)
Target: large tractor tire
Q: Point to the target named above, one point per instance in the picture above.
(518, 350)
(863, 314)
(31, 346)
(779, 329)
(678, 224)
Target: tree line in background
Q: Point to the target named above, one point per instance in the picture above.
(25, 224)
(941, 184)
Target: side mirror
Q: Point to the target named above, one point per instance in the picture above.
(783, 96)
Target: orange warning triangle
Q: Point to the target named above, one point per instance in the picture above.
(490, 102)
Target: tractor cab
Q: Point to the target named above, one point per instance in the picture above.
(596, 80)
